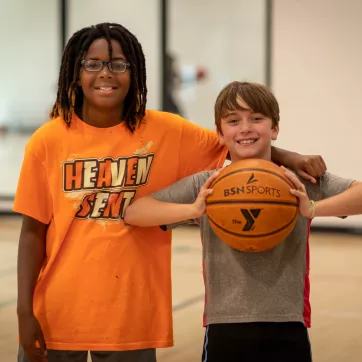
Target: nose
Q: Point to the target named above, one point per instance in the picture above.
(105, 72)
(245, 126)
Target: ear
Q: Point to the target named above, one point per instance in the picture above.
(221, 138)
(275, 132)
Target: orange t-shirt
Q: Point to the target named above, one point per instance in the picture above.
(106, 286)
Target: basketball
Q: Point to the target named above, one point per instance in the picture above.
(251, 208)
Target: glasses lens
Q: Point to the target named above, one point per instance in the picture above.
(93, 65)
(118, 67)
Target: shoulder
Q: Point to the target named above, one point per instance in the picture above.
(46, 135)
(49, 130)
(203, 175)
(331, 184)
(163, 119)
(172, 122)
(328, 185)
(196, 180)
(184, 190)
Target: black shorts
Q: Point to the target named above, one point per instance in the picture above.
(257, 342)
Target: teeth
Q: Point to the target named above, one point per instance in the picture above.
(106, 88)
(246, 142)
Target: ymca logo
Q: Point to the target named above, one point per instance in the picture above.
(250, 216)
(251, 179)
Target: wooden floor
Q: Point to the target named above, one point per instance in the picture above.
(336, 282)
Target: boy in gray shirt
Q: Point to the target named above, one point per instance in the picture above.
(254, 301)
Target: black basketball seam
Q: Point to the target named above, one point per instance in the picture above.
(253, 236)
(218, 202)
(253, 169)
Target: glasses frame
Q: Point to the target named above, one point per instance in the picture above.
(108, 63)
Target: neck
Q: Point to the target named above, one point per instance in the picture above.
(101, 118)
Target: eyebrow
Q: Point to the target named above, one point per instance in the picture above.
(120, 58)
(113, 58)
(233, 113)
(230, 114)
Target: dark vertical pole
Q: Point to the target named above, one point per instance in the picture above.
(164, 46)
(269, 40)
(63, 23)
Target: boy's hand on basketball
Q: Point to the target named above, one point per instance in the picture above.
(305, 207)
(310, 167)
(200, 203)
(30, 332)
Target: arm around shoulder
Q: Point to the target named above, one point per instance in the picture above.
(309, 167)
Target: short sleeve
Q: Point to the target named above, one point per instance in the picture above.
(32, 196)
(329, 185)
(332, 185)
(184, 191)
(199, 150)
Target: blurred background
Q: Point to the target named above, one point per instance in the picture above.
(307, 51)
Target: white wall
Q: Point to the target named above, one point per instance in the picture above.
(29, 61)
(141, 17)
(30, 33)
(227, 37)
(316, 75)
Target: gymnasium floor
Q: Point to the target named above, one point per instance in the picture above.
(336, 280)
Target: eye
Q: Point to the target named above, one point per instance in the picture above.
(233, 121)
(92, 64)
(119, 66)
(257, 118)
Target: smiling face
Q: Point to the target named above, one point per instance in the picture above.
(104, 89)
(247, 120)
(247, 134)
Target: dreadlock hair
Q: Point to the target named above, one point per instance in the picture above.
(70, 95)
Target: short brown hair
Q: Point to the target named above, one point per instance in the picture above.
(258, 97)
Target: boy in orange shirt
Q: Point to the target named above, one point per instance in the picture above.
(85, 281)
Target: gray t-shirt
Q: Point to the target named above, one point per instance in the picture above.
(253, 287)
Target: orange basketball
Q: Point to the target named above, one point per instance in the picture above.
(251, 208)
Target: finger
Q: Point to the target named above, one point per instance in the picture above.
(324, 166)
(307, 177)
(40, 356)
(298, 185)
(321, 166)
(298, 193)
(206, 192)
(42, 345)
(310, 169)
(315, 166)
(31, 353)
(209, 181)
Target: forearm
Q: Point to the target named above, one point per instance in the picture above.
(148, 211)
(282, 157)
(31, 256)
(345, 204)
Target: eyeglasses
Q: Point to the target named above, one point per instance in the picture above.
(115, 66)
